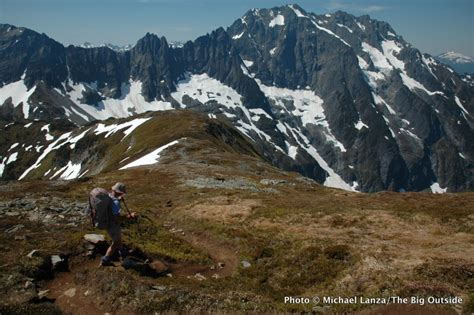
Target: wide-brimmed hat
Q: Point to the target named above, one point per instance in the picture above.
(119, 187)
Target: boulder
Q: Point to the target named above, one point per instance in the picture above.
(144, 268)
(14, 228)
(94, 238)
(199, 277)
(70, 292)
(245, 264)
(159, 266)
(43, 294)
(33, 253)
(59, 262)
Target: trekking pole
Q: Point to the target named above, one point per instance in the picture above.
(126, 207)
(130, 214)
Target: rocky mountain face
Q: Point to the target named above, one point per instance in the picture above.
(341, 99)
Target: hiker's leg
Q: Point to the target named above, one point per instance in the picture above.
(115, 234)
(117, 244)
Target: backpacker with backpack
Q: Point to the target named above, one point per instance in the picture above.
(100, 208)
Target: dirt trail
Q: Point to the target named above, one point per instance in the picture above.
(71, 297)
(221, 254)
(74, 298)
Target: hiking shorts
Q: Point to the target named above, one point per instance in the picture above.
(114, 231)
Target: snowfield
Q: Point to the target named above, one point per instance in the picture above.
(131, 103)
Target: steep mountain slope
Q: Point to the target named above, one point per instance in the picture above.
(341, 99)
(376, 90)
(63, 152)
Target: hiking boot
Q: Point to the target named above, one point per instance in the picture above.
(105, 262)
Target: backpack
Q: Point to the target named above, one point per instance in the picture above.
(100, 208)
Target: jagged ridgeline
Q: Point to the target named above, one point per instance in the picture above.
(344, 100)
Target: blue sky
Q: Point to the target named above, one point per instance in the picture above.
(433, 26)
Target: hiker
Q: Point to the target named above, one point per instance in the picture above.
(105, 210)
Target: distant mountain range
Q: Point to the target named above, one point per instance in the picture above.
(108, 45)
(344, 100)
(459, 62)
(175, 44)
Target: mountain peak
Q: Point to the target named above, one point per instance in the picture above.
(456, 57)
(151, 39)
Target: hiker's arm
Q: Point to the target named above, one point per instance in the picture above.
(130, 214)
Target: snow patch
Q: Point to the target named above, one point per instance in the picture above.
(19, 94)
(436, 189)
(386, 61)
(411, 134)
(458, 102)
(48, 137)
(129, 125)
(248, 63)
(292, 150)
(259, 112)
(330, 33)
(355, 185)
(53, 146)
(362, 27)
(308, 106)
(238, 36)
(74, 140)
(377, 57)
(387, 122)
(246, 71)
(277, 20)
(412, 84)
(45, 127)
(378, 100)
(204, 89)
(390, 48)
(71, 171)
(333, 179)
(13, 146)
(359, 125)
(344, 26)
(150, 158)
(12, 158)
(363, 65)
(297, 12)
(428, 62)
